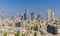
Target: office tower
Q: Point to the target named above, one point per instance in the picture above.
(21, 16)
(32, 16)
(53, 15)
(49, 14)
(26, 14)
(13, 16)
(39, 16)
(2, 14)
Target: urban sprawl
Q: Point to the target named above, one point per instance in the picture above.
(33, 25)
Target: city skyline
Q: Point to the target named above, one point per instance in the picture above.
(35, 6)
(29, 17)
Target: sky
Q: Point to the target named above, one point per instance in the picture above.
(35, 6)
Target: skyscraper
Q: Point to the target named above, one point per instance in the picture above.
(38, 16)
(49, 14)
(2, 14)
(53, 15)
(26, 14)
(32, 16)
(21, 16)
(13, 16)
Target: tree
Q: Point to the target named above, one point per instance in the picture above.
(17, 34)
(23, 34)
(5, 34)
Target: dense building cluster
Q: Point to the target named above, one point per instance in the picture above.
(23, 25)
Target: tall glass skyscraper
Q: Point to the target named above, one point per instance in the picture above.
(26, 14)
(32, 16)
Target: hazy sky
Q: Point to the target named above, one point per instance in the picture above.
(36, 6)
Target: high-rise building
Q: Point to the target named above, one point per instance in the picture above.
(21, 16)
(39, 16)
(13, 16)
(49, 15)
(53, 15)
(32, 16)
(2, 14)
(26, 14)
